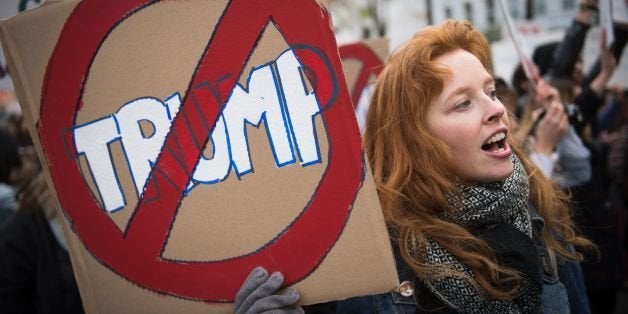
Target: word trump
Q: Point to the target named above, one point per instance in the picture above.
(276, 94)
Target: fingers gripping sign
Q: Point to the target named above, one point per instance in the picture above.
(135, 254)
(259, 294)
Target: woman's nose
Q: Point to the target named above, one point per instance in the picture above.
(495, 111)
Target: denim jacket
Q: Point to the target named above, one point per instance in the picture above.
(563, 287)
(563, 281)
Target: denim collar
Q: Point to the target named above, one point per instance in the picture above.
(537, 222)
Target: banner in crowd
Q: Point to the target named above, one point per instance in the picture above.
(362, 62)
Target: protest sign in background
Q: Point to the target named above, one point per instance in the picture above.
(362, 62)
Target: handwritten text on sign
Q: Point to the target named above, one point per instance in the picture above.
(276, 94)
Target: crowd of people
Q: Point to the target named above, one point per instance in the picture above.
(517, 207)
(36, 274)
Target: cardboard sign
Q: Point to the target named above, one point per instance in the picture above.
(362, 63)
(190, 141)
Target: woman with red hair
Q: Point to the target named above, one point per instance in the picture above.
(475, 226)
(476, 222)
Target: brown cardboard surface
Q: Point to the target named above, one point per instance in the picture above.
(153, 54)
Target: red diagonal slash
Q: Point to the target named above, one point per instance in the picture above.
(371, 65)
(136, 254)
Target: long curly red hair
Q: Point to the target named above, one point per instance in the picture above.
(413, 169)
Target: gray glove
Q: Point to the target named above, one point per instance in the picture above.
(259, 294)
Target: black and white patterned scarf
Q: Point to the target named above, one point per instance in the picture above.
(484, 207)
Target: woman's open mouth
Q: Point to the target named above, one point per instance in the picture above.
(497, 143)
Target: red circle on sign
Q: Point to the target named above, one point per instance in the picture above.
(136, 254)
(370, 62)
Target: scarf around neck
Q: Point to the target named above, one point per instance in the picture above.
(500, 206)
(487, 205)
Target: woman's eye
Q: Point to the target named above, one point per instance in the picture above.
(493, 94)
(463, 105)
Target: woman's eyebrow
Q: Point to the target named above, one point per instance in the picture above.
(457, 91)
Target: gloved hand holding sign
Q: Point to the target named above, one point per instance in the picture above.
(259, 294)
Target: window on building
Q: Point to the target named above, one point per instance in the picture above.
(515, 9)
(490, 11)
(569, 4)
(540, 7)
(468, 11)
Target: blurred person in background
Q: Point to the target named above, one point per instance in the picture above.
(35, 271)
(550, 140)
(561, 65)
(9, 161)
